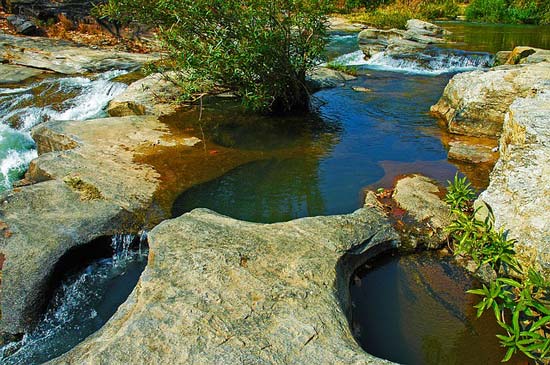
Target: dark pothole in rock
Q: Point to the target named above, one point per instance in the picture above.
(88, 285)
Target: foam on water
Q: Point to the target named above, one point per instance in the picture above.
(431, 62)
(67, 98)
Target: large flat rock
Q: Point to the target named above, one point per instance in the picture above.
(11, 74)
(66, 57)
(519, 191)
(475, 103)
(95, 178)
(221, 291)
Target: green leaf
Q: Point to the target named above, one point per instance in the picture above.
(509, 354)
(540, 322)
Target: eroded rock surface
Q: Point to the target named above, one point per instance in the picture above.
(221, 291)
(66, 57)
(87, 185)
(475, 103)
(519, 191)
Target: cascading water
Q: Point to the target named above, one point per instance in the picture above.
(434, 61)
(82, 304)
(67, 98)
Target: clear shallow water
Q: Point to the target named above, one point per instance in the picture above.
(363, 133)
(414, 310)
(65, 98)
(82, 304)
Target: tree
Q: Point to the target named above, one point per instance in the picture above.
(260, 49)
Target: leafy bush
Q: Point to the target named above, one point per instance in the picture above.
(459, 194)
(509, 11)
(396, 13)
(261, 49)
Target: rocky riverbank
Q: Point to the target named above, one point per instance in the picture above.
(511, 102)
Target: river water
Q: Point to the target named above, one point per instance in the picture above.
(362, 135)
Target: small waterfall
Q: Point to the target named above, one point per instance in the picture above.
(432, 62)
(66, 98)
(82, 304)
(121, 244)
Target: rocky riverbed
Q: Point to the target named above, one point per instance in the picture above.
(216, 287)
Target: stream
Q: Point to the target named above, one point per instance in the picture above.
(361, 136)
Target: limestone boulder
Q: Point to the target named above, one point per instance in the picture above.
(221, 291)
(66, 57)
(421, 198)
(519, 189)
(152, 95)
(23, 25)
(472, 153)
(46, 9)
(475, 103)
(417, 36)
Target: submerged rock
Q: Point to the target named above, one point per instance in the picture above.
(11, 74)
(472, 152)
(519, 189)
(475, 103)
(418, 35)
(66, 57)
(324, 77)
(218, 290)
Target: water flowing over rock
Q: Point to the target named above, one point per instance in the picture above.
(222, 291)
(519, 191)
(66, 57)
(475, 103)
(419, 35)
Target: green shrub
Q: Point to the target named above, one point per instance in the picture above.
(509, 11)
(459, 194)
(261, 49)
(394, 14)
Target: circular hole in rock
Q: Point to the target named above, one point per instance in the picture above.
(414, 309)
(88, 285)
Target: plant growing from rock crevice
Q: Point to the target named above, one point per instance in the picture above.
(520, 306)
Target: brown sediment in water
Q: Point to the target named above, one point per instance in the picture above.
(183, 166)
(426, 312)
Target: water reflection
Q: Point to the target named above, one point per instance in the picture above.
(319, 164)
(414, 310)
(496, 37)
